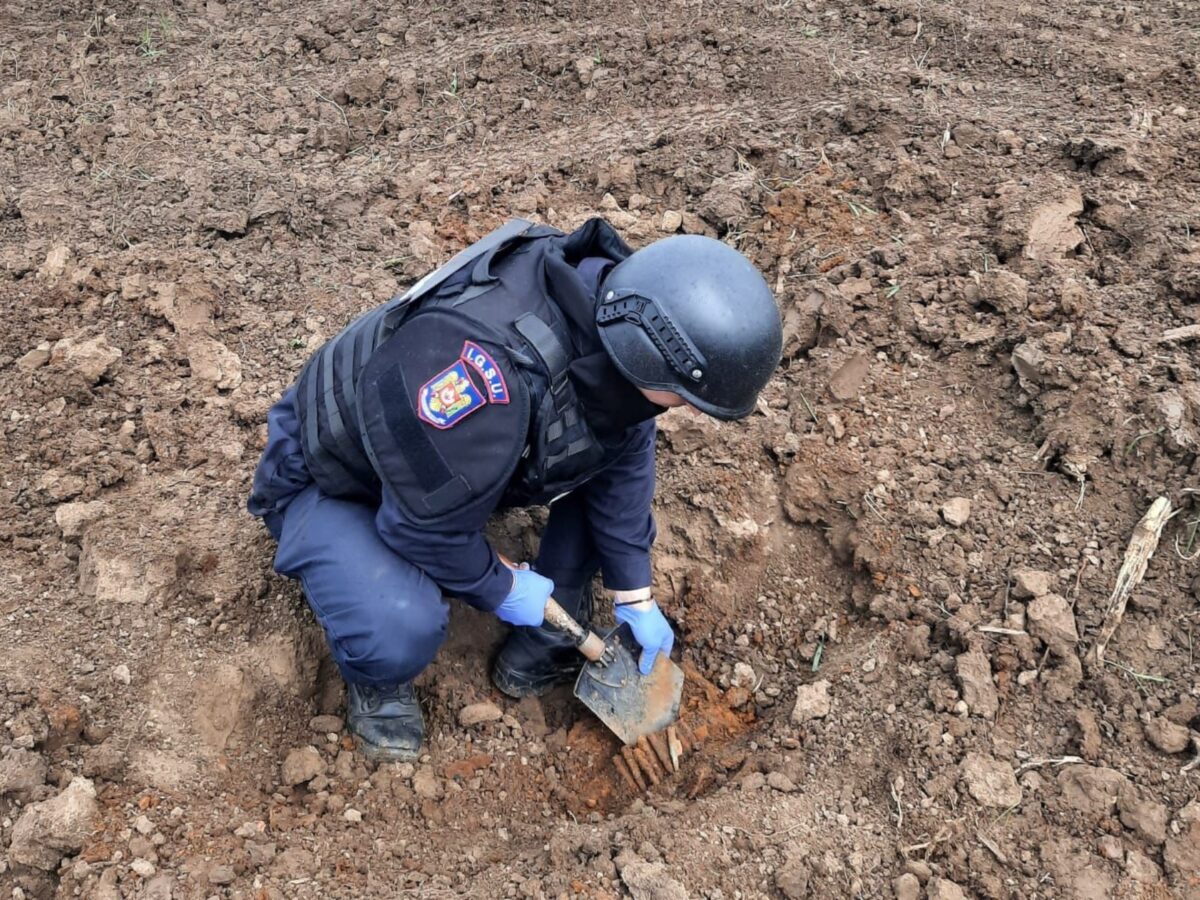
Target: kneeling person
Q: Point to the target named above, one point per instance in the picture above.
(528, 370)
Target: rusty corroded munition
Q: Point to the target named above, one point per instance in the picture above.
(649, 761)
(634, 768)
(648, 768)
(622, 768)
(658, 743)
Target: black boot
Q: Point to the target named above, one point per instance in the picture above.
(386, 719)
(534, 661)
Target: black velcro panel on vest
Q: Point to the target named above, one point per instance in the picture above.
(457, 470)
(324, 452)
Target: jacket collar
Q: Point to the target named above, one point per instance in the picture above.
(612, 403)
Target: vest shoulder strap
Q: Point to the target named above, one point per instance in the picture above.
(510, 229)
(547, 346)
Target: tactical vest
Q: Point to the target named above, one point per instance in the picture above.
(454, 397)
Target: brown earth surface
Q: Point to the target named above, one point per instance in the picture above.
(979, 217)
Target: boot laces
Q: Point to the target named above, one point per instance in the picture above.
(376, 695)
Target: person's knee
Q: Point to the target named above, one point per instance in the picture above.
(416, 631)
(400, 640)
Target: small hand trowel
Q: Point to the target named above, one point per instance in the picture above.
(631, 704)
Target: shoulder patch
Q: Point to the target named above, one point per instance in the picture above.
(481, 361)
(443, 461)
(449, 397)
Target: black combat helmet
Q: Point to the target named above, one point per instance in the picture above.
(690, 315)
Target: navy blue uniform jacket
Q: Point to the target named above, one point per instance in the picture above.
(463, 564)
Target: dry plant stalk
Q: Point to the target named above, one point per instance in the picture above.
(1141, 547)
(1179, 335)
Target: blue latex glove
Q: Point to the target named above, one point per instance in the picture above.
(650, 628)
(526, 602)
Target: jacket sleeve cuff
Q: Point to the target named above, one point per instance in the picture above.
(489, 592)
(627, 572)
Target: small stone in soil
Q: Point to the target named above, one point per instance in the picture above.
(743, 675)
(1050, 618)
(943, 889)
(326, 724)
(106, 760)
(1146, 818)
(301, 765)
(1092, 790)
(956, 511)
(73, 518)
(974, 672)
(88, 361)
(427, 785)
(479, 713)
(21, 771)
(990, 781)
(1166, 736)
(792, 879)
(57, 262)
(812, 702)
(1089, 733)
(250, 829)
(35, 358)
(1110, 847)
(46, 831)
(753, 781)
(143, 867)
(1182, 851)
(1142, 868)
(848, 379)
(915, 642)
(650, 881)
(1029, 583)
(1028, 359)
(781, 782)
(260, 853)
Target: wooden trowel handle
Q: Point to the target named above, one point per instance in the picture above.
(587, 642)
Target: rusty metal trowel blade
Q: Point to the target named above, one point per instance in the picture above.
(629, 703)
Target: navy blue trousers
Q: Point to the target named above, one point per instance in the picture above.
(384, 619)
